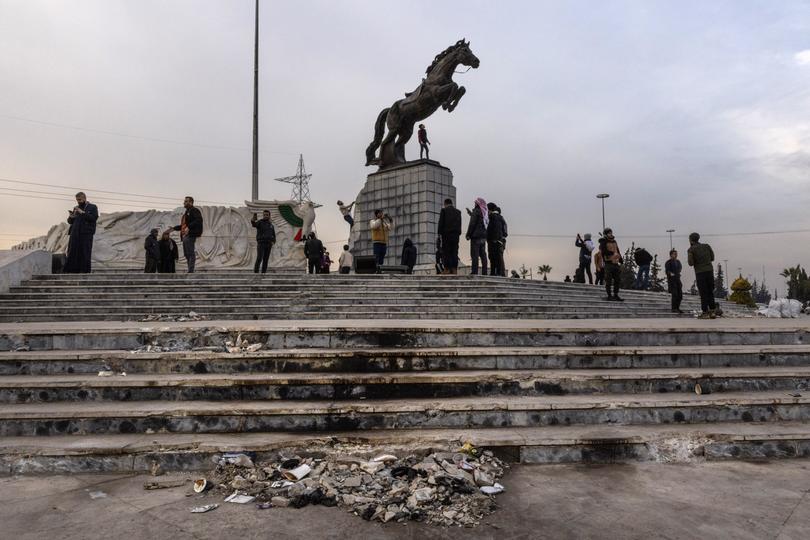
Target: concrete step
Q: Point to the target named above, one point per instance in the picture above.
(353, 315)
(372, 333)
(71, 418)
(376, 360)
(548, 444)
(425, 384)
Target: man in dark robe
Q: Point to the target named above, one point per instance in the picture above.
(152, 249)
(168, 253)
(82, 221)
(449, 232)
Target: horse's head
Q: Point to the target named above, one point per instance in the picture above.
(465, 55)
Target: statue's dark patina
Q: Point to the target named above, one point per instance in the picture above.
(437, 89)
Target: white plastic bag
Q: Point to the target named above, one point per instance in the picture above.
(774, 309)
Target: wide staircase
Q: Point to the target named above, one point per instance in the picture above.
(240, 295)
(536, 391)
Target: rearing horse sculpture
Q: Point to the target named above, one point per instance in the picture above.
(437, 89)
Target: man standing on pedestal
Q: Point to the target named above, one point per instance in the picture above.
(82, 221)
(191, 228)
(380, 227)
(424, 143)
(449, 232)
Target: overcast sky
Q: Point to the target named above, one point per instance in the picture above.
(693, 115)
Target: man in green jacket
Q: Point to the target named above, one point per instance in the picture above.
(701, 257)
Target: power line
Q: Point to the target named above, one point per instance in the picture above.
(99, 199)
(29, 183)
(139, 137)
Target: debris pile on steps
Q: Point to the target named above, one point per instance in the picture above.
(442, 488)
(192, 316)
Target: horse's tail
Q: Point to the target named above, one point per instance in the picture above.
(379, 130)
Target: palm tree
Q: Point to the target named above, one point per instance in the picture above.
(544, 271)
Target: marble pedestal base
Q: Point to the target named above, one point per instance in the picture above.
(413, 195)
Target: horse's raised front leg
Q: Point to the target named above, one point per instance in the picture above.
(452, 103)
(447, 91)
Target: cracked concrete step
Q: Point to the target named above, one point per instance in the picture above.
(339, 360)
(549, 444)
(464, 412)
(356, 315)
(364, 333)
(431, 384)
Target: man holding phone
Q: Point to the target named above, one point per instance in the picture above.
(82, 221)
(265, 238)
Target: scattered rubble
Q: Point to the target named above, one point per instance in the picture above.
(192, 316)
(204, 509)
(242, 345)
(442, 488)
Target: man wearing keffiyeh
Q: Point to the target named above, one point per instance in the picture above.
(477, 235)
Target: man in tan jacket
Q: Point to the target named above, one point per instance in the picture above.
(380, 227)
(612, 257)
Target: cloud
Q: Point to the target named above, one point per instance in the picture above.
(802, 57)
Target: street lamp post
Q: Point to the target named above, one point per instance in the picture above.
(603, 196)
(670, 231)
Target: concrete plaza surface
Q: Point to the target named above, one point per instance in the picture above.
(708, 500)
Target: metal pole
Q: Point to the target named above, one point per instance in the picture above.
(725, 261)
(603, 214)
(255, 191)
(670, 231)
(603, 196)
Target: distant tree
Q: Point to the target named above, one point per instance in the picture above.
(656, 281)
(720, 283)
(762, 295)
(629, 268)
(523, 271)
(798, 285)
(544, 270)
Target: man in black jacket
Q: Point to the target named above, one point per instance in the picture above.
(496, 240)
(409, 254)
(643, 260)
(449, 232)
(82, 221)
(313, 251)
(477, 235)
(152, 248)
(191, 228)
(265, 238)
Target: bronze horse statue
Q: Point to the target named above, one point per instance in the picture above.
(437, 89)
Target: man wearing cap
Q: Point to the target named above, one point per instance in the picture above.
(152, 249)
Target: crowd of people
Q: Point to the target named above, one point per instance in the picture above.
(486, 233)
(607, 260)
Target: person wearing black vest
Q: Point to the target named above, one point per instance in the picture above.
(265, 238)
(82, 220)
(496, 240)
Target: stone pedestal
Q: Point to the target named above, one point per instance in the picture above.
(413, 195)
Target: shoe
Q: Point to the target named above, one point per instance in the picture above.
(617, 299)
(712, 314)
(703, 315)
(675, 310)
(609, 298)
(718, 312)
